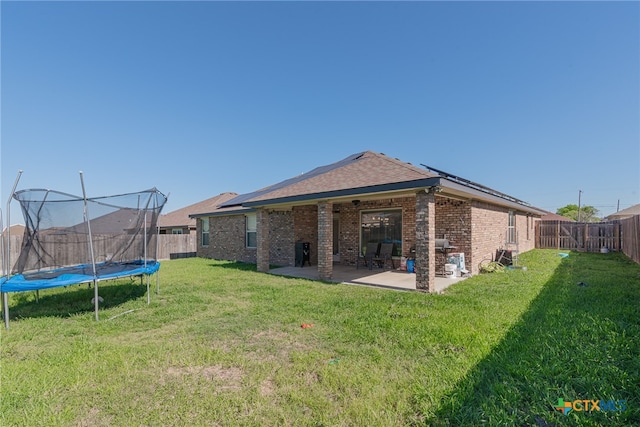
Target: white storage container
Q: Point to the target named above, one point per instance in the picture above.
(451, 271)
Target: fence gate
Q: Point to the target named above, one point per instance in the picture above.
(578, 236)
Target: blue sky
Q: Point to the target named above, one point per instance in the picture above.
(535, 99)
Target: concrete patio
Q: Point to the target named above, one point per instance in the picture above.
(348, 274)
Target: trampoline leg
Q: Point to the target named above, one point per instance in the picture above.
(95, 296)
(37, 296)
(148, 291)
(5, 313)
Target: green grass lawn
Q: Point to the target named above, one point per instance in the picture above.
(223, 345)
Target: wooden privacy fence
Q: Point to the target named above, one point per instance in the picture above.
(15, 244)
(579, 236)
(619, 235)
(176, 245)
(169, 246)
(631, 237)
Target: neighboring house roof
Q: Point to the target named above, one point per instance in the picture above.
(14, 230)
(116, 222)
(550, 216)
(626, 213)
(180, 217)
(363, 175)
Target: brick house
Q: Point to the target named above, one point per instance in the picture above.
(367, 197)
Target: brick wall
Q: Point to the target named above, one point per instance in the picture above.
(489, 227)
(325, 240)
(263, 243)
(425, 244)
(305, 229)
(282, 249)
(226, 239)
(489, 233)
(453, 219)
(526, 229)
(453, 222)
(349, 239)
(408, 225)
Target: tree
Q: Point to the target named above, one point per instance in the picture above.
(587, 213)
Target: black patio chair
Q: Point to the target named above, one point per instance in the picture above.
(370, 254)
(385, 254)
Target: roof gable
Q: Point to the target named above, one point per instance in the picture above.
(366, 174)
(628, 212)
(356, 171)
(180, 217)
(550, 216)
(14, 230)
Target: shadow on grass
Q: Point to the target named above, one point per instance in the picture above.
(579, 340)
(234, 265)
(243, 266)
(74, 299)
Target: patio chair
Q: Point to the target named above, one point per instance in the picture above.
(370, 254)
(385, 253)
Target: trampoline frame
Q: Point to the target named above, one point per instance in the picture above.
(76, 274)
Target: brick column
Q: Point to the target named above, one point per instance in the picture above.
(262, 238)
(425, 242)
(325, 240)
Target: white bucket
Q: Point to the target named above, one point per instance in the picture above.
(451, 270)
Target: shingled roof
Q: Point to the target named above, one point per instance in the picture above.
(356, 171)
(625, 213)
(180, 217)
(365, 174)
(550, 216)
(14, 230)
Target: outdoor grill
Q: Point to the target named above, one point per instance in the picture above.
(443, 246)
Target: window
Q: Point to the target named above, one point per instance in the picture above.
(511, 228)
(205, 231)
(251, 230)
(176, 231)
(382, 227)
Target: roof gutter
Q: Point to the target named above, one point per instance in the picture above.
(373, 189)
(238, 211)
(444, 186)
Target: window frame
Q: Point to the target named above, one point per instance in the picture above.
(250, 232)
(205, 235)
(511, 227)
(397, 244)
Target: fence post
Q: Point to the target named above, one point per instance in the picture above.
(585, 237)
